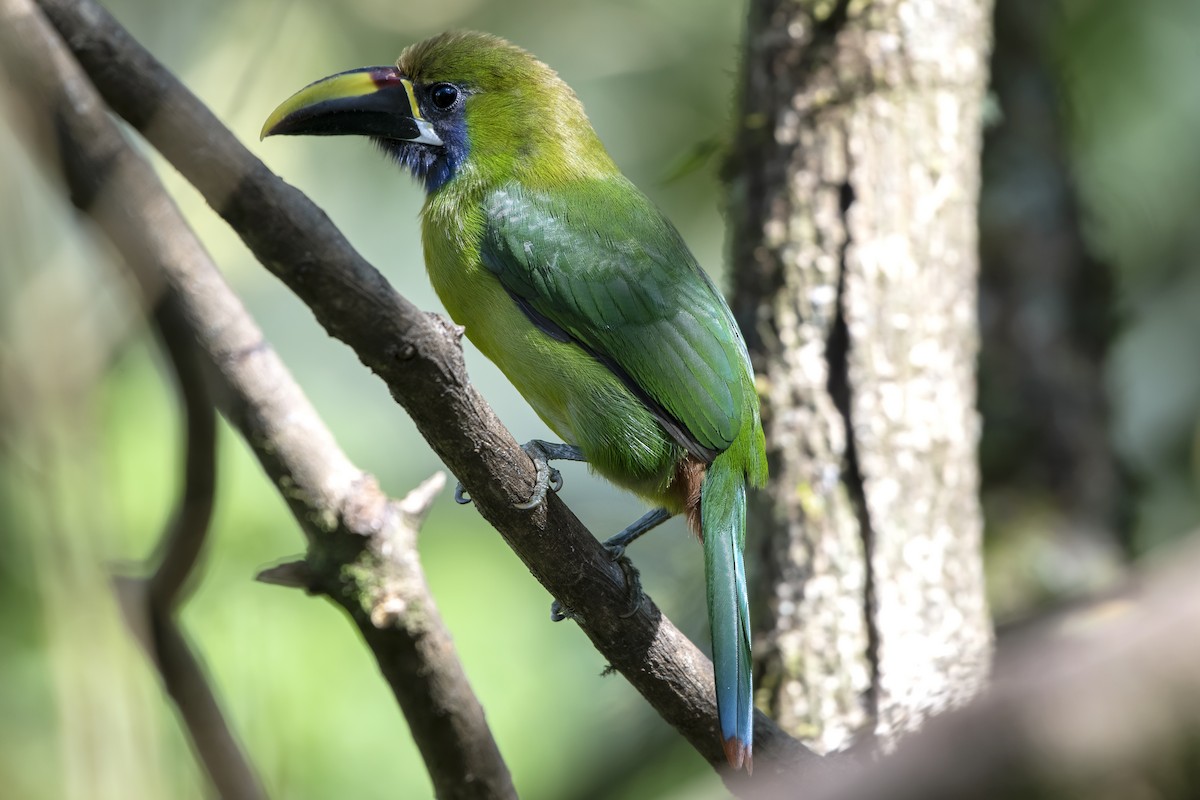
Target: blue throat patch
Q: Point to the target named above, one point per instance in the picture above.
(432, 166)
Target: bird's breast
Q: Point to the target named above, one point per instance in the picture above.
(579, 398)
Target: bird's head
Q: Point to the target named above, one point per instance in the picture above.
(459, 103)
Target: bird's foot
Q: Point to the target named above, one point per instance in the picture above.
(548, 478)
(647, 522)
(633, 583)
(559, 612)
(616, 551)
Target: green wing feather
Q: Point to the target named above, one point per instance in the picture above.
(598, 264)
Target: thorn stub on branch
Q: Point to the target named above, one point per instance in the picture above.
(416, 504)
(292, 574)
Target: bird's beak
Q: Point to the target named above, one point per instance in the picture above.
(372, 101)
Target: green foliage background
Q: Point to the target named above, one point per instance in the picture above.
(90, 432)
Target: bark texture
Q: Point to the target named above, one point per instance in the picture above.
(853, 194)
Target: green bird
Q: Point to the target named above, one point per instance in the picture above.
(568, 278)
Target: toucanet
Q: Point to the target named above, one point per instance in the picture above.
(567, 277)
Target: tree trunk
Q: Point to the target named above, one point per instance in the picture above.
(853, 195)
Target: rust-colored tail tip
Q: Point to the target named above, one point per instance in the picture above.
(737, 753)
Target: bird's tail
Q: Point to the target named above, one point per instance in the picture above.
(723, 520)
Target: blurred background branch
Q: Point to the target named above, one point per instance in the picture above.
(1058, 504)
(183, 540)
(1101, 700)
(150, 603)
(362, 545)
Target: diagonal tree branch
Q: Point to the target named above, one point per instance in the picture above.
(418, 357)
(362, 545)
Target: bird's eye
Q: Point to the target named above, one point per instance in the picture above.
(444, 96)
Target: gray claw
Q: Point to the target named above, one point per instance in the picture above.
(460, 495)
(559, 612)
(633, 582)
(548, 478)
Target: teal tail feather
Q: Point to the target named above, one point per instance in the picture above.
(723, 520)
